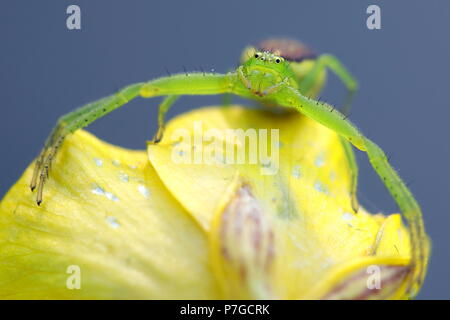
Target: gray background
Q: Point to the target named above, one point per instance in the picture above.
(47, 70)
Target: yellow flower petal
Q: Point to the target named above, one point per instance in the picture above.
(306, 203)
(106, 211)
(185, 226)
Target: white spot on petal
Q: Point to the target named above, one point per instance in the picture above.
(296, 173)
(320, 187)
(98, 162)
(124, 177)
(98, 190)
(101, 192)
(320, 160)
(112, 221)
(347, 216)
(144, 191)
(112, 197)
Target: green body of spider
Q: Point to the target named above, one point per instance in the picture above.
(290, 79)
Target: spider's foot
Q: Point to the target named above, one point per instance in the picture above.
(355, 204)
(158, 136)
(43, 176)
(41, 171)
(36, 171)
(42, 180)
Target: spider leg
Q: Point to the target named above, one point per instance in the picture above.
(70, 122)
(353, 167)
(172, 86)
(336, 121)
(331, 62)
(163, 109)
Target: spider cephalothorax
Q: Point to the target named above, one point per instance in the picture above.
(301, 59)
(265, 71)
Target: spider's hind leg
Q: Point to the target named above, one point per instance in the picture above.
(353, 167)
(331, 62)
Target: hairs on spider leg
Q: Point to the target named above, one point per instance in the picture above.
(167, 71)
(203, 71)
(318, 101)
(389, 156)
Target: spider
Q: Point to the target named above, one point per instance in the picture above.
(277, 72)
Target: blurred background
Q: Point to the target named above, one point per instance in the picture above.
(47, 70)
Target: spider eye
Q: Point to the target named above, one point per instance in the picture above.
(277, 60)
(257, 55)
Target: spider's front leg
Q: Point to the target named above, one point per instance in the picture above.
(70, 122)
(192, 84)
(353, 166)
(334, 120)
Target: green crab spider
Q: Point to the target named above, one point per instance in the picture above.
(310, 71)
(268, 78)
